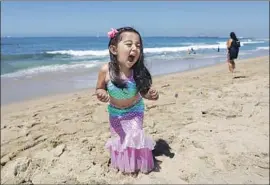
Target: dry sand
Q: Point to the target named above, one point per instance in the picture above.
(216, 123)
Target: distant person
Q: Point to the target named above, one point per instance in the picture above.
(233, 45)
(191, 51)
(124, 82)
(218, 50)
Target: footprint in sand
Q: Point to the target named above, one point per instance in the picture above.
(236, 77)
(197, 145)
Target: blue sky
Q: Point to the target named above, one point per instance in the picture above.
(174, 18)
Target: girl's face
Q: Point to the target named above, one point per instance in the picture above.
(128, 49)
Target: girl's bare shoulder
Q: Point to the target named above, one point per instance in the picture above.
(104, 68)
(105, 71)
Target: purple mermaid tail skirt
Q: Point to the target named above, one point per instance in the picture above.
(130, 148)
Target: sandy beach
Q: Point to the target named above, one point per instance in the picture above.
(216, 124)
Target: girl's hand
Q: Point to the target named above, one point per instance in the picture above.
(153, 94)
(102, 95)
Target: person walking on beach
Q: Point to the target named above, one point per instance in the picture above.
(233, 45)
(124, 82)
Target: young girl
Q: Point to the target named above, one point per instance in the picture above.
(123, 82)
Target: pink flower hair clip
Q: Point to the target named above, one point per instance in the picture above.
(111, 34)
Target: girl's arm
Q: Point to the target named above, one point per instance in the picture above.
(101, 84)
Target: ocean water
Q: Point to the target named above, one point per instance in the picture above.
(32, 56)
(45, 65)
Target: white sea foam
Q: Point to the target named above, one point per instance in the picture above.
(103, 53)
(262, 48)
(244, 42)
(50, 68)
(249, 41)
(81, 52)
(197, 46)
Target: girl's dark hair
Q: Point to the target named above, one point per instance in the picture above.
(141, 74)
(233, 36)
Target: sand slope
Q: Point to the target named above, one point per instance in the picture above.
(216, 124)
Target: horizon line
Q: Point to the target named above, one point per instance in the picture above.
(214, 36)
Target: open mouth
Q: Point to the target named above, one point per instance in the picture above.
(131, 58)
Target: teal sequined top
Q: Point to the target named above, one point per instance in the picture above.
(126, 93)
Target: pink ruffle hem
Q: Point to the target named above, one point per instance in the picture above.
(132, 153)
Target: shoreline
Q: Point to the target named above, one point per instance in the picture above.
(217, 127)
(74, 91)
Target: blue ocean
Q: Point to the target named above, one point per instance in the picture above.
(39, 66)
(32, 56)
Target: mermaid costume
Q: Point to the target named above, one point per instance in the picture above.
(130, 148)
